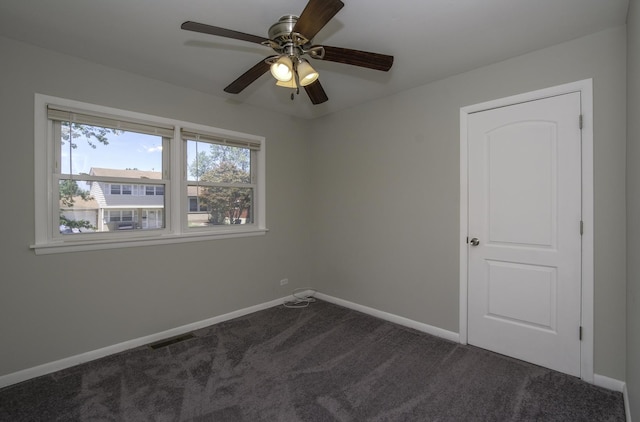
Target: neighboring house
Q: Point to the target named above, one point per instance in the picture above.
(80, 210)
(199, 210)
(124, 206)
(128, 206)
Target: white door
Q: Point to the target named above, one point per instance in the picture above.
(153, 219)
(524, 280)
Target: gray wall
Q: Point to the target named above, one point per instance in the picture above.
(633, 207)
(56, 306)
(386, 189)
(375, 221)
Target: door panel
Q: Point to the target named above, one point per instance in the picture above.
(524, 294)
(516, 195)
(525, 209)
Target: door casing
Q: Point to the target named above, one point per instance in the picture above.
(585, 87)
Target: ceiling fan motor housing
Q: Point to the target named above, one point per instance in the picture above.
(280, 32)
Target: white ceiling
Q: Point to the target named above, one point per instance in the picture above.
(430, 40)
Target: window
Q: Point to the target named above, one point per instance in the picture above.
(124, 189)
(153, 190)
(112, 216)
(93, 156)
(195, 204)
(111, 178)
(221, 180)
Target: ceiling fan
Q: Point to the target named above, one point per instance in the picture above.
(291, 38)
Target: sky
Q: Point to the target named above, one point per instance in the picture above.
(126, 150)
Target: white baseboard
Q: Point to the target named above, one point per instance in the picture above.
(425, 328)
(58, 365)
(627, 405)
(615, 385)
(608, 383)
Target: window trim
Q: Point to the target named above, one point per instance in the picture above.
(176, 200)
(191, 135)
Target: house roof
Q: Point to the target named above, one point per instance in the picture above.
(133, 174)
(80, 204)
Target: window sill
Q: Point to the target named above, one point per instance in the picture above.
(80, 246)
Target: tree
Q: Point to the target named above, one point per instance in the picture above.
(72, 131)
(202, 163)
(226, 203)
(224, 153)
(76, 224)
(224, 164)
(207, 161)
(69, 191)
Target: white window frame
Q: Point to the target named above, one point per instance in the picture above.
(47, 239)
(201, 135)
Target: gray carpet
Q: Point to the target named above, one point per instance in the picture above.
(321, 363)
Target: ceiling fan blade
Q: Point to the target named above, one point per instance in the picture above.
(221, 32)
(316, 14)
(354, 57)
(247, 78)
(316, 93)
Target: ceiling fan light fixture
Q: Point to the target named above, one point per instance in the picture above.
(306, 73)
(289, 84)
(282, 69)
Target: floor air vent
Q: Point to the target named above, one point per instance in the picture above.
(172, 340)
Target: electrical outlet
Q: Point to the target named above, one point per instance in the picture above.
(284, 281)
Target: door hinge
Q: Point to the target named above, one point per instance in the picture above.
(580, 333)
(581, 227)
(580, 121)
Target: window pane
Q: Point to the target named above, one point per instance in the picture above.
(224, 206)
(84, 148)
(84, 208)
(126, 189)
(218, 163)
(115, 189)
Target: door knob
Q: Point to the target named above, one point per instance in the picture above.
(474, 241)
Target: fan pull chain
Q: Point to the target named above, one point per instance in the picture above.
(297, 79)
(293, 94)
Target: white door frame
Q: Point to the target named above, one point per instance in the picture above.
(585, 87)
